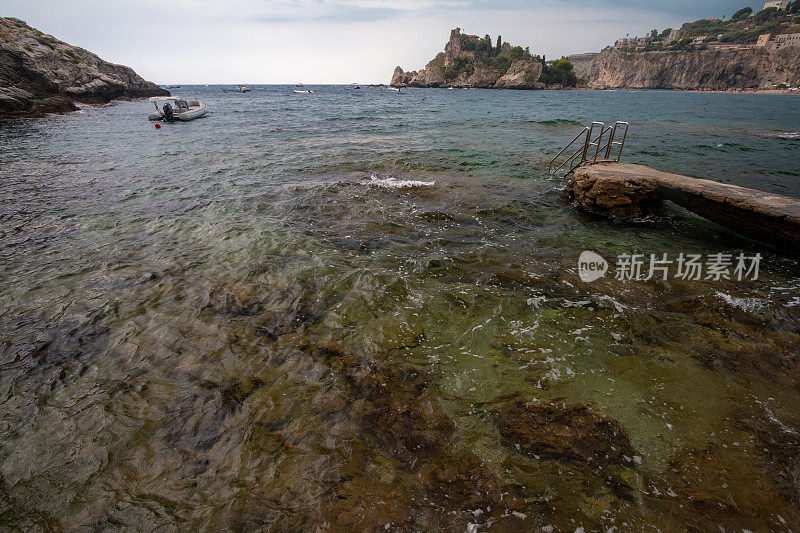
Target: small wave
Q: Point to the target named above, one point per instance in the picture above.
(394, 183)
(725, 147)
(748, 305)
(557, 122)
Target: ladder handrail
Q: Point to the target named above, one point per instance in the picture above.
(552, 162)
(601, 147)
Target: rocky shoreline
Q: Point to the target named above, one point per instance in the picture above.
(40, 74)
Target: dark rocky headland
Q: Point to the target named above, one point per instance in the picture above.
(40, 74)
(469, 61)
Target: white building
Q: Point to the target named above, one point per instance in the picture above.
(674, 35)
(780, 4)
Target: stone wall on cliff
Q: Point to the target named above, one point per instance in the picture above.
(522, 74)
(41, 74)
(697, 69)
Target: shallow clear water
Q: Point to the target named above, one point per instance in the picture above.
(313, 311)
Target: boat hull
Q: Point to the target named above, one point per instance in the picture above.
(194, 111)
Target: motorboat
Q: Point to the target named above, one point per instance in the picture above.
(303, 91)
(395, 89)
(174, 108)
(238, 89)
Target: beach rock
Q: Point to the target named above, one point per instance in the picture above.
(521, 75)
(41, 74)
(563, 432)
(698, 69)
(611, 196)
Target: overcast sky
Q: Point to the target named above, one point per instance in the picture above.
(334, 41)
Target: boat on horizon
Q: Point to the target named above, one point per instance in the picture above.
(238, 89)
(175, 108)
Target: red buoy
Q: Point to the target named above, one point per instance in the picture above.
(158, 126)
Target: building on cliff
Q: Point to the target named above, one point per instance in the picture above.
(786, 39)
(763, 40)
(673, 36)
(780, 4)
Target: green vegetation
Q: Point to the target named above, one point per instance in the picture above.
(48, 41)
(744, 27)
(462, 66)
(559, 72)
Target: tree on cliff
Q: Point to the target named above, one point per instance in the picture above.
(499, 44)
(560, 72)
(742, 13)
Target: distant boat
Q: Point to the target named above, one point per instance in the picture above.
(173, 86)
(395, 89)
(183, 110)
(239, 89)
(303, 91)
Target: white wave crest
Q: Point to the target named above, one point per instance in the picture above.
(394, 183)
(748, 305)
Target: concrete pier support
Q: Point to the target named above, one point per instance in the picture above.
(626, 191)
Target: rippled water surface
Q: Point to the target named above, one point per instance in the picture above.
(360, 309)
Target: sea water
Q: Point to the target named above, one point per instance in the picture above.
(312, 311)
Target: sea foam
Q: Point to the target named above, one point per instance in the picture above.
(394, 183)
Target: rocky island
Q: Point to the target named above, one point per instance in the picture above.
(469, 61)
(40, 74)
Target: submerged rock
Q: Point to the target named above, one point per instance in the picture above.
(41, 74)
(563, 432)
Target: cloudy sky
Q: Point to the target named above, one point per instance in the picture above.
(334, 41)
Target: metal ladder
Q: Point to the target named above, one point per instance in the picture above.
(593, 141)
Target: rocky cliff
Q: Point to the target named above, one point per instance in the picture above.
(468, 63)
(40, 74)
(697, 69)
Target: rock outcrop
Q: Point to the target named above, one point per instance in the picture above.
(464, 65)
(696, 69)
(41, 74)
(521, 75)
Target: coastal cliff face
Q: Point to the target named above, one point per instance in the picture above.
(698, 69)
(447, 69)
(41, 74)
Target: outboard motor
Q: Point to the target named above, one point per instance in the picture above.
(169, 116)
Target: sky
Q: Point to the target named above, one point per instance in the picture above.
(334, 41)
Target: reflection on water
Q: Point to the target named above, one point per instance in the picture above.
(361, 312)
